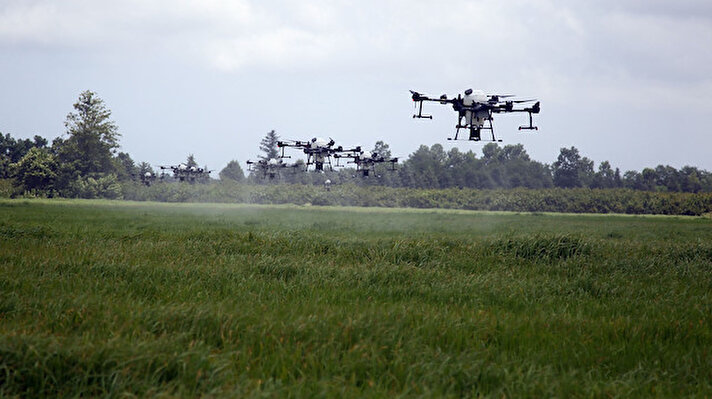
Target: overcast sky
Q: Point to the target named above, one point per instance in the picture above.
(628, 81)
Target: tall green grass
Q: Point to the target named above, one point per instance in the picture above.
(120, 299)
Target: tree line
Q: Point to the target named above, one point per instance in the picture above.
(86, 163)
(497, 168)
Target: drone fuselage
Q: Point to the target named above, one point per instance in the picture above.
(475, 110)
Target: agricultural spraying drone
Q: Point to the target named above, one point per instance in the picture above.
(475, 109)
(269, 167)
(319, 151)
(183, 172)
(366, 161)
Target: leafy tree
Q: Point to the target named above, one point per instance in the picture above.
(509, 167)
(633, 180)
(190, 161)
(145, 167)
(125, 167)
(667, 178)
(36, 170)
(105, 186)
(515, 152)
(571, 170)
(12, 150)
(382, 149)
(92, 138)
(691, 181)
(268, 146)
(606, 177)
(491, 152)
(384, 175)
(5, 171)
(232, 172)
(648, 179)
(424, 168)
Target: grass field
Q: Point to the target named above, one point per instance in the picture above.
(102, 298)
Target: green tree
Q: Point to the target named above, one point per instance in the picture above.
(268, 146)
(424, 168)
(510, 167)
(12, 150)
(383, 175)
(571, 170)
(92, 138)
(668, 177)
(232, 172)
(36, 170)
(605, 177)
(382, 149)
(690, 177)
(145, 167)
(89, 187)
(649, 179)
(190, 161)
(125, 167)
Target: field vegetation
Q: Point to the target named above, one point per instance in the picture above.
(120, 298)
(581, 200)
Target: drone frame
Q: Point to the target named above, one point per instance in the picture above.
(365, 166)
(490, 107)
(313, 154)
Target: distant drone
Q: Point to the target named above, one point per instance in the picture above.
(269, 167)
(319, 151)
(476, 109)
(366, 160)
(148, 178)
(184, 173)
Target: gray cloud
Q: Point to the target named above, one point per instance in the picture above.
(623, 62)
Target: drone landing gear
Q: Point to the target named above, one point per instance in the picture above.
(475, 132)
(531, 126)
(420, 115)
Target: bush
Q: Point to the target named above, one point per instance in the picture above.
(5, 188)
(95, 187)
(581, 200)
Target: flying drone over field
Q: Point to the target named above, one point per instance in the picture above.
(366, 160)
(269, 167)
(148, 178)
(183, 172)
(475, 111)
(319, 151)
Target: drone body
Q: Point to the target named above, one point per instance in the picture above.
(148, 178)
(319, 152)
(268, 167)
(366, 161)
(183, 172)
(475, 110)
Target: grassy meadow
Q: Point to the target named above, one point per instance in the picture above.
(102, 298)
